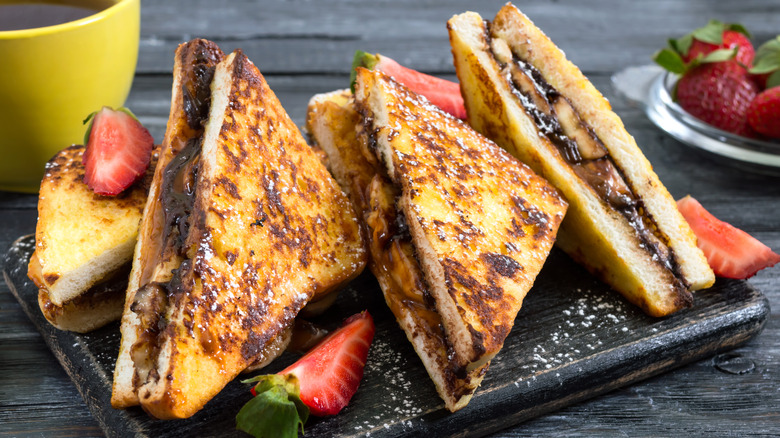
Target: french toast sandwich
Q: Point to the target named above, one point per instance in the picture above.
(457, 228)
(332, 121)
(83, 245)
(622, 225)
(252, 228)
(155, 255)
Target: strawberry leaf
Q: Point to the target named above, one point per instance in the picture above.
(736, 27)
(670, 60)
(91, 119)
(276, 411)
(711, 33)
(773, 80)
(767, 57)
(719, 55)
(681, 45)
(129, 113)
(361, 59)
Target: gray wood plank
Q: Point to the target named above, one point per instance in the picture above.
(301, 37)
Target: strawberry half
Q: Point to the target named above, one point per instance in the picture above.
(118, 150)
(321, 382)
(440, 92)
(764, 112)
(730, 252)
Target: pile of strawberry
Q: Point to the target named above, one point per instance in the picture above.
(724, 81)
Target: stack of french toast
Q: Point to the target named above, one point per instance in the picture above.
(240, 227)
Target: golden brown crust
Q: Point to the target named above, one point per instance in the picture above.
(81, 239)
(260, 244)
(482, 223)
(193, 66)
(596, 236)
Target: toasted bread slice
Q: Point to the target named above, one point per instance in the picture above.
(98, 306)
(624, 227)
(481, 222)
(332, 121)
(268, 229)
(82, 239)
(154, 257)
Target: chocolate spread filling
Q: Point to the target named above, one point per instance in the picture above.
(177, 195)
(196, 93)
(583, 151)
(394, 254)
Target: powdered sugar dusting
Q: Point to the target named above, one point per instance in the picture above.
(587, 323)
(399, 401)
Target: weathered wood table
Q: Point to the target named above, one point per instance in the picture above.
(305, 47)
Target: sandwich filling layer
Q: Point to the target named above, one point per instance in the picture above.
(151, 300)
(394, 256)
(391, 243)
(558, 121)
(98, 298)
(349, 140)
(405, 287)
(167, 258)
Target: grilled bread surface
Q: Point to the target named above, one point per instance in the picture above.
(269, 229)
(153, 259)
(82, 239)
(594, 234)
(481, 222)
(332, 121)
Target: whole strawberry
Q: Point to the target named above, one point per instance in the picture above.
(716, 35)
(714, 84)
(764, 113)
(719, 94)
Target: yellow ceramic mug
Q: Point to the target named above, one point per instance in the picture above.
(52, 77)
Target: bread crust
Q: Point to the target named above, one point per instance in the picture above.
(592, 233)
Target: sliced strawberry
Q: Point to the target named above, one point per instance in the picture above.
(730, 252)
(440, 92)
(330, 374)
(118, 151)
(323, 381)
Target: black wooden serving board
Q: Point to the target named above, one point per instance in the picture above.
(573, 339)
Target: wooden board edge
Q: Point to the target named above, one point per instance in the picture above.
(78, 364)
